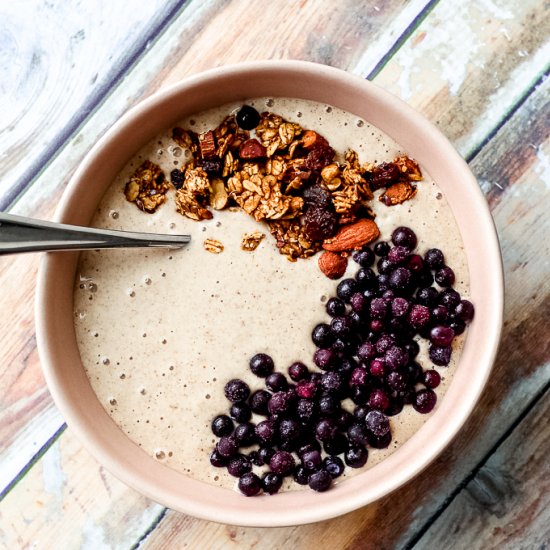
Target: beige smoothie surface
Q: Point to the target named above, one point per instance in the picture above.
(160, 332)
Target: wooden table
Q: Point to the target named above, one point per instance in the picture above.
(477, 69)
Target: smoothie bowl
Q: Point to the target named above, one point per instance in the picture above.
(201, 375)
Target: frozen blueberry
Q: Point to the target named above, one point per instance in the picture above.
(340, 327)
(335, 307)
(358, 302)
(311, 460)
(279, 403)
(380, 442)
(397, 380)
(306, 411)
(276, 382)
(258, 401)
(439, 314)
(415, 263)
(379, 400)
(359, 377)
(250, 484)
(328, 405)
(298, 371)
(449, 298)
(419, 316)
(440, 355)
(265, 454)
(222, 425)
(236, 390)
(445, 276)
(346, 288)
(326, 429)
(366, 279)
(366, 351)
(218, 460)
(398, 255)
(289, 430)
(324, 359)
(320, 481)
(334, 466)
(395, 358)
(356, 456)
(400, 280)
(377, 423)
(434, 258)
(306, 389)
(378, 308)
(227, 446)
(377, 367)
(271, 483)
(364, 257)
(432, 379)
(240, 411)
(239, 466)
(412, 348)
(344, 419)
(458, 325)
(400, 307)
(381, 249)
(245, 434)
(322, 335)
(424, 401)
(261, 365)
(404, 236)
(266, 431)
(441, 335)
(301, 475)
(427, 296)
(282, 463)
(357, 433)
(247, 117)
(465, 310)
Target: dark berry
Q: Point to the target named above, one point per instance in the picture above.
(458, 326)
(381, 249)
(340, 327)
(439, 314)
(378, 308)
(432, 379)
(236, 390)
(334, 466)
(326, 429)
(424, 401)
(397, 380)
(449, 298)
(240, 411)
(424, 278)
(379, 400)
(212, 166)
(379, 442)
(320, 223)
(298, 371)
(377, 423)
(415, 263)
(301, 475)
(279, 403)
(427, 296)
(276, 381)
(320, 481)
(440, 355)
(445, 276)
(344, 419)
(328, 405)
(335, 307)
(311, 445)
(384, 267)
(282, 463)
(415, 372)
(288, 430)
(395, 358)
(358, 302)
(441, 335)
(218, 460)
(177, 177)
(359, 377)
(404, 236)
(271, 483)
(227, 446)
(400, 280)
(419, 316)
(412, 348)
(239, 466)
(396, 406)
(255, 459)
(398, 254)
(357, 433)
(266, 431)
(306, 389)
(377, 367)
(258, 401)
(322, 335)
(360, 394)
(365, 257)
(346, 289)
(245, 434)
(337, 445)
(366, 351)
(465, 310)
(222, 425)
(366, 279)
(356, 456)
(360, 412)
(247, 117)
(400, 307)
(384, 343)
(320, 156)
(306, 411)
(311, 460)
(261, 365)
(332, 382)
(324, 359)
(250, 484)
(434, 258)
(265, 454)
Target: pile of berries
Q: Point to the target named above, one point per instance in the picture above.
(366, 354)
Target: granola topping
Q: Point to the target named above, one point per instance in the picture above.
(213, 246)
(147, 187)
(251, 241)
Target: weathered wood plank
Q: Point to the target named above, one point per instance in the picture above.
(467, 61)
(507, 504)
(71, 502)
(58, 61)
(41, 199)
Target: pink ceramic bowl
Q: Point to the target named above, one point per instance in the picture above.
(59, 354)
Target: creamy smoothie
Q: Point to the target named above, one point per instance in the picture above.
(160, 332)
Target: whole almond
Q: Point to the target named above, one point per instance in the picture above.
(353, 236)
(332, 265)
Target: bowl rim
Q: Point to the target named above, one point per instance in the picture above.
(334, 502)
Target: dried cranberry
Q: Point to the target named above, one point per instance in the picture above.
(319, 157)
(318, 196)
(385, 174)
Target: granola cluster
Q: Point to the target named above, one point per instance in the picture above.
(279, 173)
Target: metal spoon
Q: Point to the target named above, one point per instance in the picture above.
(20, 234)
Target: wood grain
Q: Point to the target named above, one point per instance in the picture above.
(468, 114)
(507, 504)
(58, 60)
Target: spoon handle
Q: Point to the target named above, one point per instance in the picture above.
(20, 234)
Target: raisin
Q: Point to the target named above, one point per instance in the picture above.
(212, 166)
(320, 223)
(317, 196)
(384, 175)
(319, 157)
